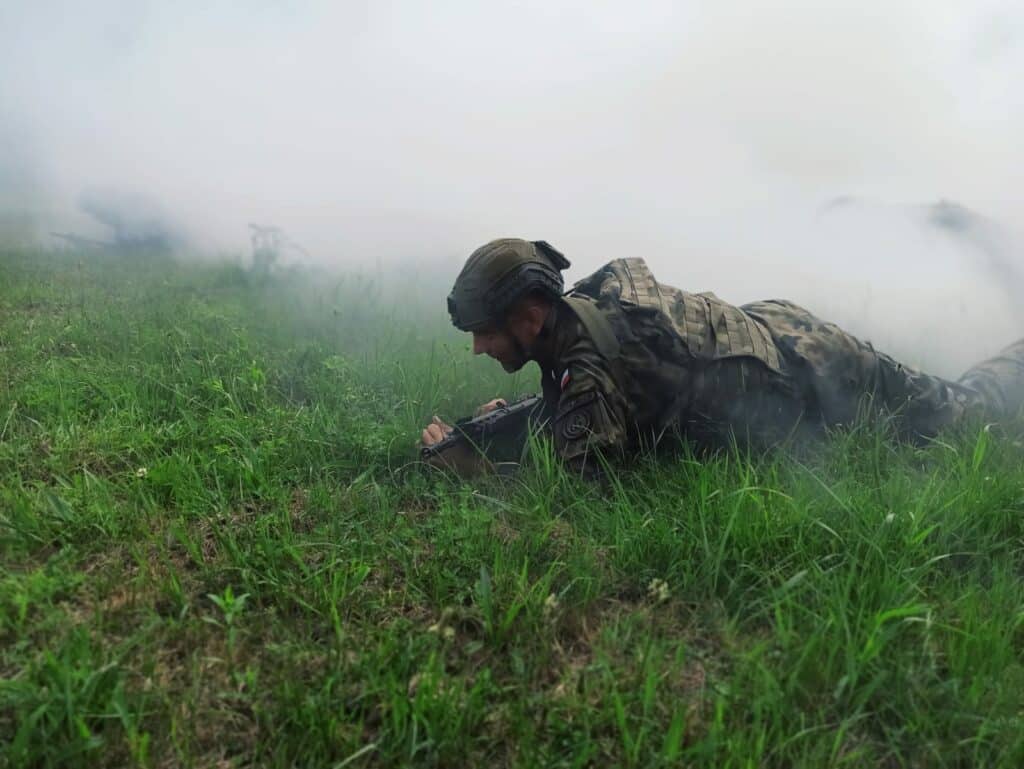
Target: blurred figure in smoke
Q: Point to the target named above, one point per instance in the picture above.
(136, 222)
(626, 361)
(269, 245)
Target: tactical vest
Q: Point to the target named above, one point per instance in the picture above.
(711, 329)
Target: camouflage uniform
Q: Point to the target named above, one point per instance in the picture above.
(626, 360)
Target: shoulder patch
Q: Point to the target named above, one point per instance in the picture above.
(575, 418)
(576, 425)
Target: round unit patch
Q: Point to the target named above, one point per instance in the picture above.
(576, 425)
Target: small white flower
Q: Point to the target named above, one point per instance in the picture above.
(442, 629)
(890, 517)
(658, 590)
(142, 472)
(551, 604)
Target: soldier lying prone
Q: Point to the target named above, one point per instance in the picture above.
(627, 362)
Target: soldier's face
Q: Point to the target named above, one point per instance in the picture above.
(501, 345)
(510, 344)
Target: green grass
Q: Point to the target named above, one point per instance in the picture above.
(217, 550)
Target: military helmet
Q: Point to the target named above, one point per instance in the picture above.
(499, 273)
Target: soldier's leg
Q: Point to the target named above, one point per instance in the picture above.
(841, 374)
(923, 404)
(999, 381)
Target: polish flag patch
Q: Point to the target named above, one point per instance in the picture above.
(565, 379)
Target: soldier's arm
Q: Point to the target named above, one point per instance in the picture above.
(592, 413)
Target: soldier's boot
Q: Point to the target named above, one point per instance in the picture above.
(999, 381)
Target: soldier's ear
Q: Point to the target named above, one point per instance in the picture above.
(538, 308)
(529, 311)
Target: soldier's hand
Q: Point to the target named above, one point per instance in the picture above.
(490, 406)
(460, 458)
(435, 432)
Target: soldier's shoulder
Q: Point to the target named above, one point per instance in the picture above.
(586, 321)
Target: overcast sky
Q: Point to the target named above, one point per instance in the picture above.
(704, 136)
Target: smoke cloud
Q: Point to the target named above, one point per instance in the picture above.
(708, 138)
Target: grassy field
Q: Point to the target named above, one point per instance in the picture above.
(217, 550)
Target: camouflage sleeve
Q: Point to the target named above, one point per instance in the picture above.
(592, 411)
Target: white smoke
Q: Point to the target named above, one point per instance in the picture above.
(705, 137)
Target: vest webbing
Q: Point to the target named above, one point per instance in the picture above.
(597, 326)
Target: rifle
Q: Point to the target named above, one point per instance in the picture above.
(499, 434)
(78, 240)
